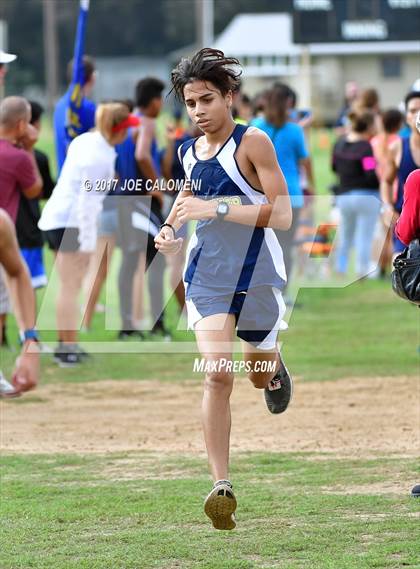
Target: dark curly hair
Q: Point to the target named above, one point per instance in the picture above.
(206, 65)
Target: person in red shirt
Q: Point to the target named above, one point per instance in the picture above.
(18, 170)
(407, 227)
(408, 224)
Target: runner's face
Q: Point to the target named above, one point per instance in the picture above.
(413, 108)
(206, 106)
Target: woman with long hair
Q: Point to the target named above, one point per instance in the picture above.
(69, 219)
(358, 199)
(289, 142)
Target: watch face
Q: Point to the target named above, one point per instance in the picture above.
(222, 208)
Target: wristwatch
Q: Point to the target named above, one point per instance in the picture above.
(222, 210)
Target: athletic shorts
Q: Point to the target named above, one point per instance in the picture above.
(34, 260)
(5, 305)
(258, 313)
(65, 240)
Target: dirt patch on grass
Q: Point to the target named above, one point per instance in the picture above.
(351, 417)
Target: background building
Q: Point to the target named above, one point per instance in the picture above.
(318, 71)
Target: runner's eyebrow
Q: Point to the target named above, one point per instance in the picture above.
(200, 97)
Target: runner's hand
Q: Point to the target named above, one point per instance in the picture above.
(166, 243)
(194, 209)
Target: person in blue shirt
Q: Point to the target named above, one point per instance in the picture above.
(289, 142)
(69, 123)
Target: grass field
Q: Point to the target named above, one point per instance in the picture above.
(141, 509)
(64, 512)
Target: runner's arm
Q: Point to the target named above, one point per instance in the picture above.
(172, 218)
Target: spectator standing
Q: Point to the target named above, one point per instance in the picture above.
(29, 235)
(289, 142)
(81, 77)
(18, 170)
(70, 215)
(358, 192)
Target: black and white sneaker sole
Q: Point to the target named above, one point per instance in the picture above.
(278, 400)
(220, 506)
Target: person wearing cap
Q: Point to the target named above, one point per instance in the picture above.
(5, 58)
(69, 218)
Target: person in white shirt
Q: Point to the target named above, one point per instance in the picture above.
(69, 218)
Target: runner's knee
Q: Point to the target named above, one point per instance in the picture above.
(220, 380)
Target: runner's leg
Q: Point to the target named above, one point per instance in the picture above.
(216, 418)
(260, 360)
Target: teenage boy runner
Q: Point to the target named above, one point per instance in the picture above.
(240, 192)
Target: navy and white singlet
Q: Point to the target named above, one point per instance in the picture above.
(225, 257)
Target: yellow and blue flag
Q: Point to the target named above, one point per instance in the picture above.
(74, 120)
